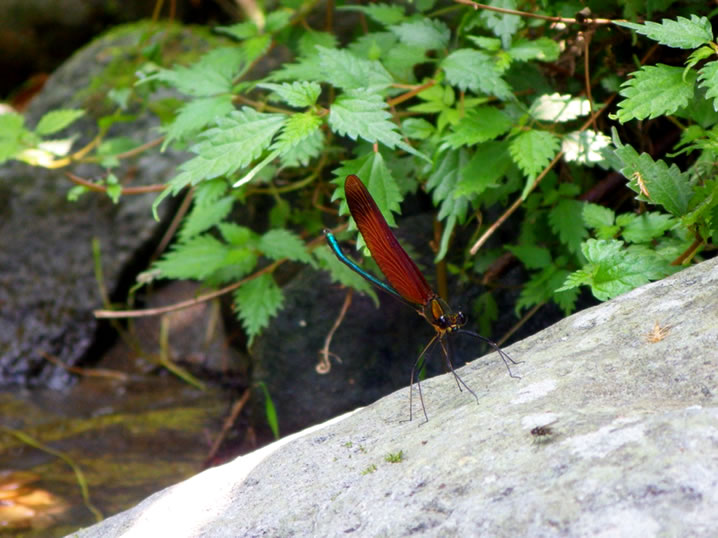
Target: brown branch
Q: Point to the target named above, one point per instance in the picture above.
(566, 20)
(101, 188)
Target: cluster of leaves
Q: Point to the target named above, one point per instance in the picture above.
(453, 100)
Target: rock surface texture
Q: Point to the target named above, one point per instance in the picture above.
(629, 388)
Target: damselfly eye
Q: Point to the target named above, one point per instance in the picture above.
(460, 318)
(443, 322)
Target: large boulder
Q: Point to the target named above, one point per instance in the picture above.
(627, 393)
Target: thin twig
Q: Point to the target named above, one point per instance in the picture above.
(324, 365)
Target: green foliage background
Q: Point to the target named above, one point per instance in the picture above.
(485, 111)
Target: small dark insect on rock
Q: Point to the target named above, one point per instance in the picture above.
(543, 433)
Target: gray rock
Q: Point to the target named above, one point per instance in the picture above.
(633, 449)
(48, 288)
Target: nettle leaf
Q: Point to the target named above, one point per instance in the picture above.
(56, 120)
(503, 26)
(559, 108)
(377, 177)
(341, 274)
(443, 183)
(708, 77)
(423, 34)
(543, 49)
(309, 40)
(612, 270)
(257, 302)
(297, 128)
(297, 94)
(195, 115)
(343, 70)
(202, 217)
(531, 256)
(417, 128)
(382, 13)
(681, 33)
(542, 286)
(361, 114)
(278, 19)
(12, 131)
(645, 227)
(566, 221)
(480, 124)
(475, 70)
(238, 139)
(278, 244)
(306, 68)
(239, 31)
(302, 152)
(655, 90)
(654, 181)
(236, 235)
(210, 75)
(485, 169)
(196, 258)
(532, 150)
(597, 216)
(585, 147)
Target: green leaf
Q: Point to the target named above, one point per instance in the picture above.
(566, 222)
(309, 40)
(681, 33)
(306, 68)
(278, 244)
(423, 34)
(210, 75)
(485, 169)
(597, 216)
(196, 115)
(360, 114)
(665, 186)
(654, 91)
(377, 178)
(56, 120)
(257, 301)
(237, 140)
(196, 258)
(303, 150)
(278, 19)
(385, 14)
(417, 128)
(503, 26)
(541, 287)
(479, 125)
(543, 49)
(341, 274)
(559, 108)
(645, 227)
(240, 31)
(531, 256)
(297, 94)
(475, 70)
(269, 410)
(236, 235)
(344, 70)
(12, 130)
(532, 150)
(443, 182)
(297, 128)
(708, 77)
(612, 270)
(203, 217)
